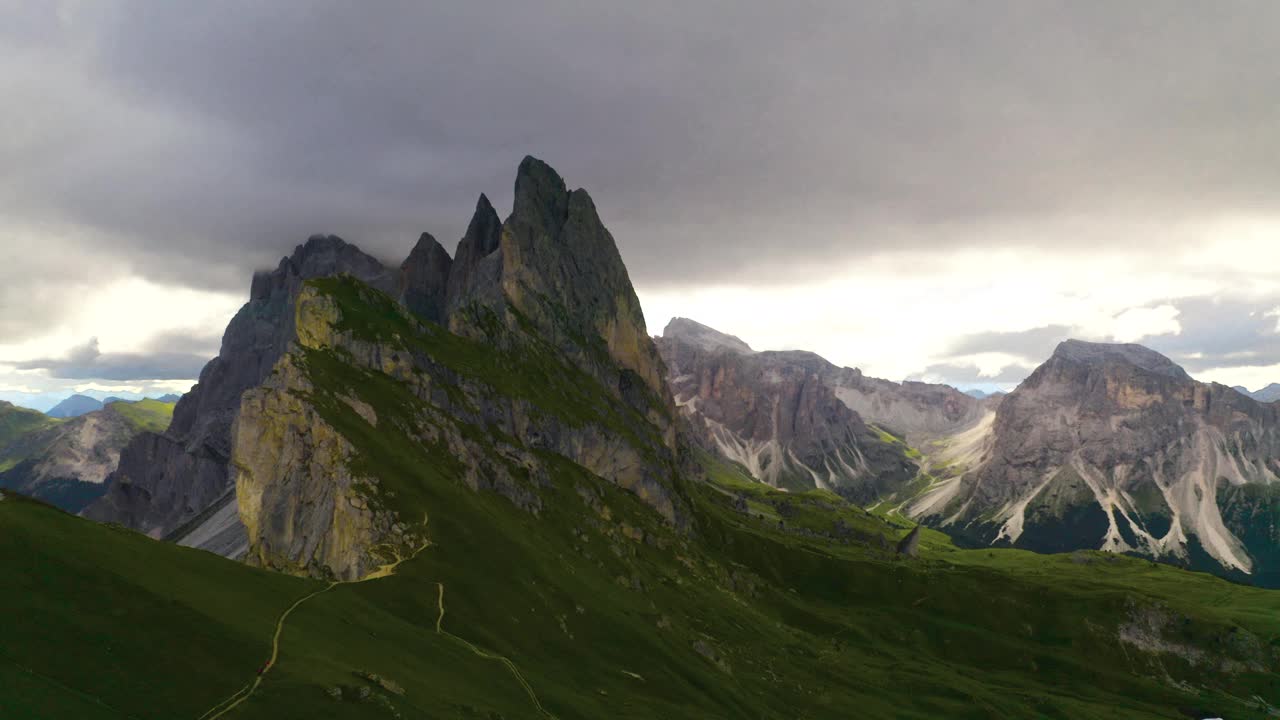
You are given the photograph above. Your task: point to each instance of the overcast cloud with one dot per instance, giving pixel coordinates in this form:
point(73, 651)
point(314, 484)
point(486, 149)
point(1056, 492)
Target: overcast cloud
point(814, 162)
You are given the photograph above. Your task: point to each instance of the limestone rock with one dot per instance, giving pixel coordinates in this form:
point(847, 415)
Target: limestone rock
point(775, 414)
point(1115, 447)
point(165, 480)
point(563, 280)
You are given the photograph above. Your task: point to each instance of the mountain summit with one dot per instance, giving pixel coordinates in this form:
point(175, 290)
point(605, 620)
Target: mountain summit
point(1115, 447)
point(534, 329)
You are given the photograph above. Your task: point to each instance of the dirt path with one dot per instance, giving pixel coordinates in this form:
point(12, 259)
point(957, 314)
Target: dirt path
point(387, 570)
point(489, 656)
point(247, 691)
point(223, 707)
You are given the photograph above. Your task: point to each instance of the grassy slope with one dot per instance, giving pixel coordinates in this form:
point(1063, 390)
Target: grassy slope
point(15, 423)
point(605, 611)
point(147, 415)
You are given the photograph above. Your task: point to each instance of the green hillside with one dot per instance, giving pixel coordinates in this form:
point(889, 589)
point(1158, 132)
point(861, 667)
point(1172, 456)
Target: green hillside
point(148, 415)
point(15, 424)
point(769, 605)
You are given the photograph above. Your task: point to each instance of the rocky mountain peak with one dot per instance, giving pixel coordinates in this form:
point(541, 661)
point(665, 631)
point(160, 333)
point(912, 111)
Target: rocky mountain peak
point(484, 231)
point(560, 275)
point(1097, 354)
point(707, 338)
point(477, 264)
point(320, 256)
point(541, 197)
point(424, 279)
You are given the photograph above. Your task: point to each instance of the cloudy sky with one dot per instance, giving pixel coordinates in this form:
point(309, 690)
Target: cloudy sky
point(938, 190)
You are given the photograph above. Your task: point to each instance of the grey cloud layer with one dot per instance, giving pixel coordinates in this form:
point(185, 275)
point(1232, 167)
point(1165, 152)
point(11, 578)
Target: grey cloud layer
point(225, 132)
point(86, 362)
point(1214, 334)
point(724, 141)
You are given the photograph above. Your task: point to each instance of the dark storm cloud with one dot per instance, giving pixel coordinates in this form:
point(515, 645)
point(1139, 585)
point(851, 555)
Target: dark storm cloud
point(86, 362)
point(722, 141)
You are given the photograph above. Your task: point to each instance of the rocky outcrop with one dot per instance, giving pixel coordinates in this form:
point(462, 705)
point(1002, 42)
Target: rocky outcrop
point(1115, 447)
point(910, 545)
point(774, 413)
point(166, 480)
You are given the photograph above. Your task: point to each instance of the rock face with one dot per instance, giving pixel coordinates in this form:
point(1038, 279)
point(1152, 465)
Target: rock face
point(560, 278)
point(476, 264)
point(1115, 447)
point(919, 411)
point(910, 545)
point(424, 279)
point(67, 463)
point(774, 413)
point(792, 414)
point(548, 362)
point(166, 480)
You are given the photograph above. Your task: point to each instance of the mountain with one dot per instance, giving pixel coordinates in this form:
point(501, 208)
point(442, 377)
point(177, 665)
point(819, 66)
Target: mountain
point(66, 462)
point(500, 515)
point(982, 394)
point(548, 366)
point(795, 420)
point(73, 406)
point(774, 413)
point(177, 480)
point(169, 398)
point(16, 422)
point(1115, 447)
point(1270, 393)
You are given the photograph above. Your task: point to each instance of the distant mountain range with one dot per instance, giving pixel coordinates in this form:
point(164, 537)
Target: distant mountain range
point(1270, 393)
point(76, 405)
point(796, 421)
point(65, 461)
point(1110, 447)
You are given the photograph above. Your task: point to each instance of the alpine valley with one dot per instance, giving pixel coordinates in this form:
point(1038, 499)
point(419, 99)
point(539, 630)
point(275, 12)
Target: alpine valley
point(474, 486)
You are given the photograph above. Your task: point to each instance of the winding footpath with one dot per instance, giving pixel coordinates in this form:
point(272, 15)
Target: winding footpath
point(244, 693)
point(247, 691)
point(489, 656)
